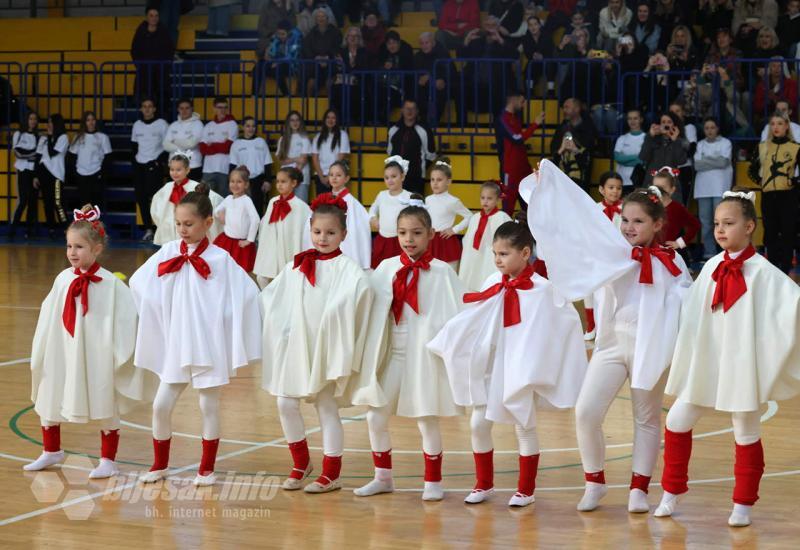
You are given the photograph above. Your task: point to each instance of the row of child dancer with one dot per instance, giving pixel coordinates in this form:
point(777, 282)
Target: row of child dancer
point(401, 341)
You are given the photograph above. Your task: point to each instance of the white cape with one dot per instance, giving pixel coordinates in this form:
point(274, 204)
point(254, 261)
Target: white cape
point(279, 242)
point(509, 370)
point(476, 265)
point(193, 329)
point(358, 243)
point(163, 213)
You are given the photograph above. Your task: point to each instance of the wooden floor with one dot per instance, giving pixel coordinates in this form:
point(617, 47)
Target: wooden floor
point(62, 508)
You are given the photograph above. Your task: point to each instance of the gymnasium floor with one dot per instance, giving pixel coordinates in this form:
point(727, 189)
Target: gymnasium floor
point(61, 508)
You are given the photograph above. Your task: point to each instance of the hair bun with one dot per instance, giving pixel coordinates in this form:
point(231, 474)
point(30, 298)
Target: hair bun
point(203, 188)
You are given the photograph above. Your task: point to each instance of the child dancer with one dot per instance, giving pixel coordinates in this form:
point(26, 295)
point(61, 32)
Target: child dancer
point(252, 151)
point(166, 199)
point(477, 257)
point(443, 208)
point(198, 322)
point(280, 236)
point(681, 226)
point(486, 352)
point(737, 349)
point(238, 214)
point(415, 295)
point(640, 288)
point(358, 241)
point(383, 212)
point(80, 363)
point(316, 316)
point(611, 190)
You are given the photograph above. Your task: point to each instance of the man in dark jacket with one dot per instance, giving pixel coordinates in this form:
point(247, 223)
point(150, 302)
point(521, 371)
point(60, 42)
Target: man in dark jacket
point(322, 42)
point(413, 141)
point(445, 83)
point(152, 51)
point(572, 145)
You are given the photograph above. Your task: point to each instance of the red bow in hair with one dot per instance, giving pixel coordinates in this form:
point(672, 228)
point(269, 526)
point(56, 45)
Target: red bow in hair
point(671, 170)
point(611, 209)
point(281, 208)
point(502, 187)
point(307, 262)
point(328, 198)
point(482, 223)
point(511, 313)
point(198, 263)
point(730, 280)
point(92, 216)
point(178, 192)
point(405, 291)
point(644, 256)
point(78, 287)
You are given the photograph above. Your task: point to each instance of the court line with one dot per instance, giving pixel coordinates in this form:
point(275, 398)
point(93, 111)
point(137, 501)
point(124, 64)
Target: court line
point(15, 362)
point(25, 308)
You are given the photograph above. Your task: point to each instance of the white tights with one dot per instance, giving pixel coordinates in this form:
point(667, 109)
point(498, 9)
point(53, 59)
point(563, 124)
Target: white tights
point(378, 424)
point(481, 430)
point(164, 403)
point(328, 412)
point(683, 416)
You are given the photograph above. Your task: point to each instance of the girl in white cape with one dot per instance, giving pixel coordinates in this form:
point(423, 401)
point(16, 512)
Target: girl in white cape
point(477, 258)
point(415, 295)
point(280, 235)
point(80, 362)
point(358, 242)
point(316, 317)
point(737, 349)
point(166, 199)
point(486, 349)
point(199, 321)
point(640, 289)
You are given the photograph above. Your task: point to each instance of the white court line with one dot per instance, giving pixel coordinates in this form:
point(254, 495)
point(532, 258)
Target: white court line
point(15, 362)
point(25, 308)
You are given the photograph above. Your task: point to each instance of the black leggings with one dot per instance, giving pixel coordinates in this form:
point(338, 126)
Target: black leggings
point(51, 195)
point(147, 179)
point(90, 190)
point(27, 198)
point(256, 194)
point(779, 209)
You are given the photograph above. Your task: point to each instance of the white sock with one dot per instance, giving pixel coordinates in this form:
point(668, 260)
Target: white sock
point(433, 491)
point(381, 483)
point(637, 502)
point(45, 460)
point(591, 496)
point(740, 516)
point(106, 468)
point(667, 505)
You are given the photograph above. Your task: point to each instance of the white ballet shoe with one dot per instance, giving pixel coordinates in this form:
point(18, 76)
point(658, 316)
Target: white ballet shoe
point(740, 517)
point(519, 500)
point(205, 481)
point(293, 484)
point(433, 491)
point(152, 477)
point(478, 495)
point(637, 502)
point(316, 487)
point(45, 460)
point(375, 487)
point(592, 495)
point(667, 505)
point(589, 336)
point(106, 468)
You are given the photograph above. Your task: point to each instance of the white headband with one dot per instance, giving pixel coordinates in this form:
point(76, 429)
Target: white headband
point(751, 196)
point(442, 163)
point(655, 190)
point(417, 202)
point(187, 154)
point(399, 160)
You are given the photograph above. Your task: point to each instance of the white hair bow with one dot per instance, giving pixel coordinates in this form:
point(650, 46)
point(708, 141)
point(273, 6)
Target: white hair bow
point(655, 190)
point(399, 160)
point(442, 163)
point(750, 196)
point(91, 215)
point(187, 154)
point(417, 202)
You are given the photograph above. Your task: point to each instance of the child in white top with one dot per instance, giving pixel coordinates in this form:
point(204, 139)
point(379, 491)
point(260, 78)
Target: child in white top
point(294, 148)
point(443, 208)
point(240, 220)
point(477, 257)
point(628, 146)
point(384, 211)
point(252, 151)
point(330, 145)
point(92, 149)
point(712, 163)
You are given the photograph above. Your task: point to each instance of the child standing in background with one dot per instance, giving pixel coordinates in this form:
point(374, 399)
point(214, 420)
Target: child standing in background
point(443, 208)
point(384, 211)
point(252, 152)
point(240, 221)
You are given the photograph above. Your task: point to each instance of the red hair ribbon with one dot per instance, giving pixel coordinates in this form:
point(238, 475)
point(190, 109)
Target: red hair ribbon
point(671, 170)
point(92, 216)
point(328, 198)
point(502, 187)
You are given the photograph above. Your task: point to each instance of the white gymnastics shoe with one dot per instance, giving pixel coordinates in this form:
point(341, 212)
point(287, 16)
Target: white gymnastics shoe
point(520, 500)
point(740, 517)
point(592, 495)
point(433, 491)
point(205, 481)
point(382, 483)
point(45, 460)
point(637, 502)
point(106, 468)
point(155, 475)
point(667, 505)
point(316, 487)
point(478, 495)
point(293, 484)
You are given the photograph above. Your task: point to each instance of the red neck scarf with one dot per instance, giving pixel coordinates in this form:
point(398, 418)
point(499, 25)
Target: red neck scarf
point(198, 263)
point(307, 262)
point(281, 208)
point(730, 281)
point(611, 209)
point(511, 314)
point(645, 256)
point(78, 287)
point(482, 223)
point(178, 192)
point(405, 291)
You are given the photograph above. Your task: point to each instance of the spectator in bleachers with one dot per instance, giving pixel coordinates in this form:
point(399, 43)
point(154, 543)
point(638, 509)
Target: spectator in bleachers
point(373, 32)
point(767, 44)
point(354, 57)
point(92, 149)
point(686, 175)
point(559, 14)
point(170, 15)
point(51, 150)
point(782, 107)
point(215, 145)
point(272, 13)
point(613, 22)
point(599, 80)
point(277, 60)
point(664, 145)
point(424, 60)
point(572, 144)
point(252, 151)
point(788, 28)
point(185, 134)
point(396, 55)
point(681, 53)
point(149, 161)
point(294, 148)
point(645, 28)
point(723, 54)
point(388, 10)
point(626, 152)
point(219, 17)
point(572, 46)
point(510, 16)
point(457, 20)
point(712, 160)
point(774, 84)
point(749, 16)
point(23, 143)
point(668, 14)
point(412, 140)
point(331, 144)
point(305, 15)
point(632, 58)
point(321, 43)
point(152, 44)
point(713, 15)
point(537, 45)
point(660, 88)
point(577, 22)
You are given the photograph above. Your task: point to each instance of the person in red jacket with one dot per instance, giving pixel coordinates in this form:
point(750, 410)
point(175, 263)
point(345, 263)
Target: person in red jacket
point(559, 14)
point(681, 226)
point(772, 88)
point(511, 138)
point(457, 19)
